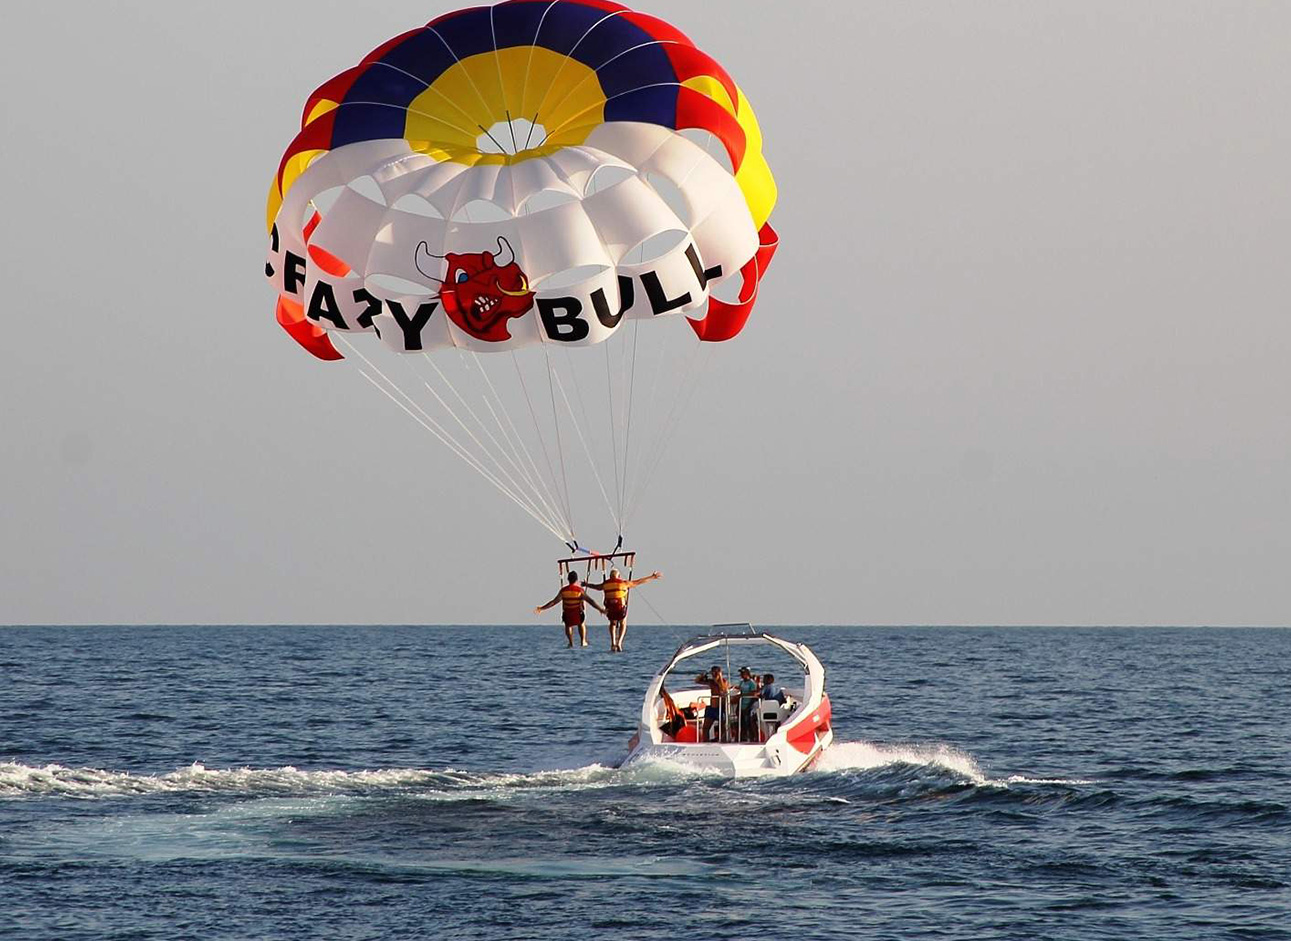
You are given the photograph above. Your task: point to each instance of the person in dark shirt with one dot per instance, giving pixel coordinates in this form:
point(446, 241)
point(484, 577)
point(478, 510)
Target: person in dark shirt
point(771, 691)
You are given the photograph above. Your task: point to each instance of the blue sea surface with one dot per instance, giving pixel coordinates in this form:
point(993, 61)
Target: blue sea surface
point(459, 782)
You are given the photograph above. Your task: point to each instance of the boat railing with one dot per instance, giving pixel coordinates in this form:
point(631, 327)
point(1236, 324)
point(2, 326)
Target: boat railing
point(736, 723)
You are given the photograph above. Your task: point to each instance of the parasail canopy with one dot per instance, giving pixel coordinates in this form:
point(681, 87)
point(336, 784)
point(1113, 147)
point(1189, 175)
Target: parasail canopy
point(537, 173)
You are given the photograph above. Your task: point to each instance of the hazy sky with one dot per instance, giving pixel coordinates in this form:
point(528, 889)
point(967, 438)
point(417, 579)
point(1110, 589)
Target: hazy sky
point(1022, 357)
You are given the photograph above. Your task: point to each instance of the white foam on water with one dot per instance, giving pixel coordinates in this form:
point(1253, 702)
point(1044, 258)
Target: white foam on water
point(655, 769)
point(19, 780)
point(864, 756)
point(1023, 779)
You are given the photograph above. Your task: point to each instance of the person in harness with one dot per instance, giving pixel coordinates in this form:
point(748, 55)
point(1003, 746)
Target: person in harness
point(616, 590)
point(571, 599)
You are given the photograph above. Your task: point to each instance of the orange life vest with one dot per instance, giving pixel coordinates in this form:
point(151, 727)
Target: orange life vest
point(571, 598)
point(616, 590)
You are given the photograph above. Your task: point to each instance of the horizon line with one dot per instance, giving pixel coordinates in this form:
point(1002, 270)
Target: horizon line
point(700, 625)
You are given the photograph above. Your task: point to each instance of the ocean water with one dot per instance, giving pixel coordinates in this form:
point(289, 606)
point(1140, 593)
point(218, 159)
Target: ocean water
point(453, 782)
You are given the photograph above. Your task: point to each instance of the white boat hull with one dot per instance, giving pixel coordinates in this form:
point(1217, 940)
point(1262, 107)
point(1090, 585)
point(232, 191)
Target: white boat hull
point(772, 759)
point(792, 730)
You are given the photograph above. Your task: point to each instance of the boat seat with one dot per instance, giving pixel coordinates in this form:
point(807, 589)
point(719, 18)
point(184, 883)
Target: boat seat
point(772, 713)
point(770, 709)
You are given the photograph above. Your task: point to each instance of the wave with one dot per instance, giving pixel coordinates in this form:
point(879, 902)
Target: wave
point(57, 780)
point(54, 780)
point(867, 756)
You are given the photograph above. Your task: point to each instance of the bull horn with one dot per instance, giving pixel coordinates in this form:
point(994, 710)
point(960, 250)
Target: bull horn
point(510, 250)
point(423, 248)
point(524, 288)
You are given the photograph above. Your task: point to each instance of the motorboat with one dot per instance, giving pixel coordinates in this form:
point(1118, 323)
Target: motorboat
point(685, 720)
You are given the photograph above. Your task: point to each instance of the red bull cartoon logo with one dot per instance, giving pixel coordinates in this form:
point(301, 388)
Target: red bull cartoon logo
point(480, 291)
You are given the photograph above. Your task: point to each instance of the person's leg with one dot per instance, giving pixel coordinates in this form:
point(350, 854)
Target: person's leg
point(569, 635)
point(613, 641)
point(582, 631)
point(623, 631)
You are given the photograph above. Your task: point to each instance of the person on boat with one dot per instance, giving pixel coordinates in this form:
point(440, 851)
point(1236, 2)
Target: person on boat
point(571, 598)
point(771, 691)
point(748, 690)
point(717, 702)
point(674, 719)
point(616, 590)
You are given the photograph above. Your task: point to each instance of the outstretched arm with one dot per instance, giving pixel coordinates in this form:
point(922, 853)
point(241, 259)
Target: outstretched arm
point(598, 586)
point(542, 608)
point(647, 578)
point(590, 601)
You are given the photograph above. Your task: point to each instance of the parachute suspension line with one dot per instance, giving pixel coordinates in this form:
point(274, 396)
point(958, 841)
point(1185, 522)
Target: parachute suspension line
point(614, 438)
point(461, 449)
point(627, 438)
point(498, 466)
point(457, 418)
point(560, 447)
point(438, 431)
point(578, 392)
point(513, 458)
point(654, 426)
point(621, 377)
point(537, 430)
point(432, 426)
point(658, 371)
point(513, 436)
point(685, 391)
point(589, 444)
point(586, 450)
point(509, 450)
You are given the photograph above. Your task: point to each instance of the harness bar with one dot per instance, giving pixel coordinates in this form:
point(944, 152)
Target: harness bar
point(600, 561)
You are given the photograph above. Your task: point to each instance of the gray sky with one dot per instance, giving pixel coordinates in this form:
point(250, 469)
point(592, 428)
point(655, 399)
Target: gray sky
point(1022, 357)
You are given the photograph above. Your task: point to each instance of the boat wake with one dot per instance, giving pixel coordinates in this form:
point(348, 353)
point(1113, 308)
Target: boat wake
point(868, 756)
point(56, 780)
point(843, 758)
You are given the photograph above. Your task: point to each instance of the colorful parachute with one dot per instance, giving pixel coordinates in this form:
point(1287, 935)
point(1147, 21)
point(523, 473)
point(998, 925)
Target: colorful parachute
point(538, 172)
